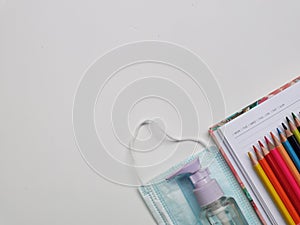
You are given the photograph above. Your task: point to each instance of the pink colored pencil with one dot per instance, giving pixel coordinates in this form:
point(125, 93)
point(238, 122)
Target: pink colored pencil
point(281, 177)
point(283, 167)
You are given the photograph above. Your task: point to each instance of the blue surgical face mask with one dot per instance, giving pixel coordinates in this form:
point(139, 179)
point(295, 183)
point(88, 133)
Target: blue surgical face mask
point(172, 202)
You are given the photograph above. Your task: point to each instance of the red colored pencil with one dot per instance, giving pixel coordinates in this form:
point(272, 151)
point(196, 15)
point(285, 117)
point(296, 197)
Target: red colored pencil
point(272, 157)
point(283, 166)
point(272, 177)
point(286, 158)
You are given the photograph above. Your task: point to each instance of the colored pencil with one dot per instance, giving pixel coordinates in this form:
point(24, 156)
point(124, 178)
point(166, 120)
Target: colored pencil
point(283, 196)
point(289, 149)
point(294, 143)
point(286, 158)
point(282, 165)
point(297, 121)
point(294, 129)
point(282, 178)
point(260, 172)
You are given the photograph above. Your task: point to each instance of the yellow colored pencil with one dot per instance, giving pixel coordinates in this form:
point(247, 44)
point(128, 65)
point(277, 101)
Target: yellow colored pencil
point(260, 172)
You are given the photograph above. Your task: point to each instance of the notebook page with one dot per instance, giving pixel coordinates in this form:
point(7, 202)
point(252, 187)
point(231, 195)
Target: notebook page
point(245, 130)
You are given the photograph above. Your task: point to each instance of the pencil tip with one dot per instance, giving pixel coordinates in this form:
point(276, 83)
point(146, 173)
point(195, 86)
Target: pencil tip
point(253, 161)
point(272, 135)
point(278, 130)
point(294, 116)
point(287, 119)
point(269, 143)
point(283, 125)
point(257, 153)
point(250, 155)
point(267, 140)
point(260, 144)
point(255, 150)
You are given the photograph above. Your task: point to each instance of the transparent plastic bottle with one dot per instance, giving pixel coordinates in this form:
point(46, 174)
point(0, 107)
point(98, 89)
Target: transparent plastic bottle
point(224, 211)
point(216, 208)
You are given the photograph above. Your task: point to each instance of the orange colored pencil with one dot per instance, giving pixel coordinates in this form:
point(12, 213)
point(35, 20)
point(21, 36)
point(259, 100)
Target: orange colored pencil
point(286, 158)
point(286, 201)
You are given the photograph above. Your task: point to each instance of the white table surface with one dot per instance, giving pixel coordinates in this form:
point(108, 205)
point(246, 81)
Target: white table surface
point(252, 47)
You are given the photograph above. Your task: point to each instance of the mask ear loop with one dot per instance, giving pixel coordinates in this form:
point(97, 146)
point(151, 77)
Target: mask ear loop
point(166, 137)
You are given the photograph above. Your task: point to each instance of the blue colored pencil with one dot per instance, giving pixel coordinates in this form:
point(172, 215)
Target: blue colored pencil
point(288, 147)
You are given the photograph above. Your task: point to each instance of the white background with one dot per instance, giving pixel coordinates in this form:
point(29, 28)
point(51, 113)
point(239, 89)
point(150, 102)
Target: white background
point(252, 47)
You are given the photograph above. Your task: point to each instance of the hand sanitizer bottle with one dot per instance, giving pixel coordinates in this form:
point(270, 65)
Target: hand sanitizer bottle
point(216, 208)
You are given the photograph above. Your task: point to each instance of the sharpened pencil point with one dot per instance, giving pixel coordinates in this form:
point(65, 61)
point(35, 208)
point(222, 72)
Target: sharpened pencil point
point(287, 119)
point(275, 139)
point(272, 135)
point(267, 140)
point(264, 150)
point(283, 125)
point(253, 161)
point(255, 149)
point(250, 155)
point(257, 153)
point(278, 130)
point(260, 144)
point(269, 143)
point(296, 120)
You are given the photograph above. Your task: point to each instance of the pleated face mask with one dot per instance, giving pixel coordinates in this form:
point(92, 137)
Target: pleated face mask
point(172, 201)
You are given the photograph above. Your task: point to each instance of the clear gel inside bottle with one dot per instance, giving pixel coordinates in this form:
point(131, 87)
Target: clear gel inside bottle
point(223, 211)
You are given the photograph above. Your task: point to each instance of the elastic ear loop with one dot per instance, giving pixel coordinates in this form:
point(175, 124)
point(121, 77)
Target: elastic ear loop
point(167, 137)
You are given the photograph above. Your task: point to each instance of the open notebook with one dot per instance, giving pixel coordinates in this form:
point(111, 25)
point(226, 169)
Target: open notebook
point(235, 136)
